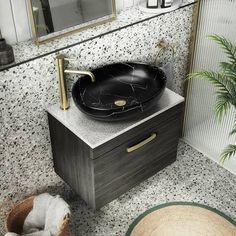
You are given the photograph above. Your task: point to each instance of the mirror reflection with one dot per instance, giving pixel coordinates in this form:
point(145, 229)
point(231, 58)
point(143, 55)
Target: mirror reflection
point(51, 16)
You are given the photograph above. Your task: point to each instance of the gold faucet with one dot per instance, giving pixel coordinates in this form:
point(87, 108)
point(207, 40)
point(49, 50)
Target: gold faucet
point(61, 71)
point(162, 45)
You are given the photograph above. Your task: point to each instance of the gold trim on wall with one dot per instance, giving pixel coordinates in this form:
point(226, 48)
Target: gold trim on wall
point(193, 37)
point(36, 37)
point(192, 47)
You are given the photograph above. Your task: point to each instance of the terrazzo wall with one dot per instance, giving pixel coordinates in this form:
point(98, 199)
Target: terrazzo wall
point(25, 154)
point(15, 20)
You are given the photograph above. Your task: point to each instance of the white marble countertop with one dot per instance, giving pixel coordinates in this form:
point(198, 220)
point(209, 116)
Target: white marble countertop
point(95, 133)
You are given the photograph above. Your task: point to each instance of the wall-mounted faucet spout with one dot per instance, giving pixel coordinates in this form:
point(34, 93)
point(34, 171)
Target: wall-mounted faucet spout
point(60, 64)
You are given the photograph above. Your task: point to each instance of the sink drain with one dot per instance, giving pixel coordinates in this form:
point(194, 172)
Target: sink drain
point(120, 103)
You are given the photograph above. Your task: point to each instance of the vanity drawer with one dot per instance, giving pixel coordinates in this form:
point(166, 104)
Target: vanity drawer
point(142, 152)
point(135, 134)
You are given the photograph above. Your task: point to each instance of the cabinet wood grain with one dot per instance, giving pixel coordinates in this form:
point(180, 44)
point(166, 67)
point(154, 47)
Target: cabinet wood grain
point(72, 160)
point(102, 174)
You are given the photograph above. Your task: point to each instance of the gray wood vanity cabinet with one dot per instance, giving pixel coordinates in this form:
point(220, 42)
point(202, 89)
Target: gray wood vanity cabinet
point(101, 161)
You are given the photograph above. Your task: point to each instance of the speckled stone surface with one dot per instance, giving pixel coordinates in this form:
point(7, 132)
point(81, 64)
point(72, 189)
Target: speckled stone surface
point(84, 127)
point(26, 50)
point(25, 151)
point(193, 178)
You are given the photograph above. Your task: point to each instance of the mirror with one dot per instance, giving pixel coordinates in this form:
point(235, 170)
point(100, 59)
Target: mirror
point(55, 18)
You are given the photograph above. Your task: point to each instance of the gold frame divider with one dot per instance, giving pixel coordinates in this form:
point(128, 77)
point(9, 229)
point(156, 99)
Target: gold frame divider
point(192, 49)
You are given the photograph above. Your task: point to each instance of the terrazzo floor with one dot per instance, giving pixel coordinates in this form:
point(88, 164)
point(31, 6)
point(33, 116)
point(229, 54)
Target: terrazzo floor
point(193, 178)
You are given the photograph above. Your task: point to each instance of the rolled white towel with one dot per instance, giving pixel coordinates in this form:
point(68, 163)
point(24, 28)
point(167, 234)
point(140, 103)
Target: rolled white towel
point(56, 212)
point(35, 220)
point(11, 234)
point(39, 233)
point(31, 230)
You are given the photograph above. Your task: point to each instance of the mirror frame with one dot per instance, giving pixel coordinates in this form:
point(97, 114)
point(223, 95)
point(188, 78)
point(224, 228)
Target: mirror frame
point(88, 25)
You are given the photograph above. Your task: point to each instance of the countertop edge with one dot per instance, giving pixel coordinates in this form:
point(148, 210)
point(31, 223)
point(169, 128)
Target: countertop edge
point(92, 146)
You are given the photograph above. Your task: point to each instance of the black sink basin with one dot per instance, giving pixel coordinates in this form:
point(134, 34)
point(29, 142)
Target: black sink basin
point(120, 92)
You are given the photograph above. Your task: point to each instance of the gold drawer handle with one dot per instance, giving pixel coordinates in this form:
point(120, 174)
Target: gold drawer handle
point(141, 144)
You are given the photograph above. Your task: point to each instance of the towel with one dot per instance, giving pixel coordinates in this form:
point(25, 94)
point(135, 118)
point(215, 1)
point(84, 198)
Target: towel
point(11, 234)
point(38, 233)
point(56, 212)
point(36, 218)
point(46, 216)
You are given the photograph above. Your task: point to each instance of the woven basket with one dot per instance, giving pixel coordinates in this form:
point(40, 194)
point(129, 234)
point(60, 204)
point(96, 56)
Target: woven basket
point(16, 218)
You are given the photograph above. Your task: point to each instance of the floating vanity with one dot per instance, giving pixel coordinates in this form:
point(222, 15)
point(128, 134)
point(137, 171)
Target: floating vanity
point(102, 160)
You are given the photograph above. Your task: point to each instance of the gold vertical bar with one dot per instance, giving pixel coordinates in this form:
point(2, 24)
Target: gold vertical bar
point(33, 23)
point(192, 47)
point(114, 11)
point(64, 103)
point(193, 37)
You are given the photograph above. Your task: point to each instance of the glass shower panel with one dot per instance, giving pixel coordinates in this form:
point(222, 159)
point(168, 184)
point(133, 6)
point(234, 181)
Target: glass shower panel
point(201, 130)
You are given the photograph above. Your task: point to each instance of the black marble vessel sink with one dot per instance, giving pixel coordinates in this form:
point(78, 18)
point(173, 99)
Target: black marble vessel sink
point(121, 91)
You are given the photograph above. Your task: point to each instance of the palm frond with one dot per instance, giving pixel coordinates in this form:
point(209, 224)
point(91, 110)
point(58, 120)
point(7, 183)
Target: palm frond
point(226, 45)
point(214, 78)
point(233, 131)
point(224, 82)
point(227, 66)
point(224, 86)
point(230, 84)
point(228, 69)
point(222, 106)
point(227, 153)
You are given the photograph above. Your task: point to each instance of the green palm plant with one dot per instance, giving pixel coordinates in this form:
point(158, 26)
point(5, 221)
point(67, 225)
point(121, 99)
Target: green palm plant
point(224, 81)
